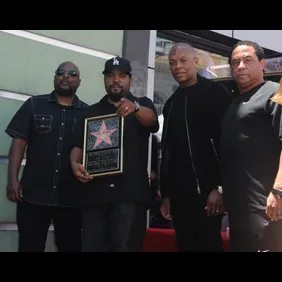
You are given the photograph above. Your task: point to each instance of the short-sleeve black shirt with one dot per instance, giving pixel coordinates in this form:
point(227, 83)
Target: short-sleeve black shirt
point(251, 148)
point(48, 128)
point(133, 184)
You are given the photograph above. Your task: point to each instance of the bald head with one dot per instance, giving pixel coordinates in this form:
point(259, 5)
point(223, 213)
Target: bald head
point(183, 64)
point(183, 46)
point(68, 65)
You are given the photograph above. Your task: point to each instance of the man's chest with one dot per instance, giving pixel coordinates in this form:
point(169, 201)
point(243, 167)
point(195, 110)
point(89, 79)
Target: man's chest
point(55, 121)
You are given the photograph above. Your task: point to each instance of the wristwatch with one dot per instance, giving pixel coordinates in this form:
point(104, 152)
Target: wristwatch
point(276, 192)
point(137, 106)
point(219, 189)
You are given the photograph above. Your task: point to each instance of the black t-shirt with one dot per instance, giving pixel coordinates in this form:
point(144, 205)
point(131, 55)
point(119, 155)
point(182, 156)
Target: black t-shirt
point(250, 148)
point(155, 153)
point(133, 184)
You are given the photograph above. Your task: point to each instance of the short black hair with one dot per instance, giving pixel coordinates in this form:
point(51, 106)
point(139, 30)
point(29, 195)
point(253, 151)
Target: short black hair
point(258, 49)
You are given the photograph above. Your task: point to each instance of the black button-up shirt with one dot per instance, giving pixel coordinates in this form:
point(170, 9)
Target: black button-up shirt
point(48, 127)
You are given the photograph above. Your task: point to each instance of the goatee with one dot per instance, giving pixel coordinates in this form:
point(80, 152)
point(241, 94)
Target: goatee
point(115, 97)
point(64, 93)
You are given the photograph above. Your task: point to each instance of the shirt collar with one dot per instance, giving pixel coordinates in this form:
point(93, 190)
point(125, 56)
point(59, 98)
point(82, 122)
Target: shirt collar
point(75, 103)
point(128, 96)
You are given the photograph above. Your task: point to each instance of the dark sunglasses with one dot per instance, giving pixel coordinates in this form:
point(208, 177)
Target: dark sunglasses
point(72, 73)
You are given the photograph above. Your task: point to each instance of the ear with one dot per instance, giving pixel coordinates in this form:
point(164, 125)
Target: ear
point(130, 82)
point(79, 82)
point(263, 63)
point(196, 60)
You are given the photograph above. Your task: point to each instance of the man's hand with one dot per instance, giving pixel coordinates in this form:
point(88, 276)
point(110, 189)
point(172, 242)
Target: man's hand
point(165, 209)
point(80, 172)
point(273, 207)
point(214, 203)
point(125, 107)
point(14, 191)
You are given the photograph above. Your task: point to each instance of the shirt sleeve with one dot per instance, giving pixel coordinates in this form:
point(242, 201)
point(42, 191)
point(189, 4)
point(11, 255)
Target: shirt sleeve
point(275, 111)
point(21, 123)
point(222, 100)
point(146, 102)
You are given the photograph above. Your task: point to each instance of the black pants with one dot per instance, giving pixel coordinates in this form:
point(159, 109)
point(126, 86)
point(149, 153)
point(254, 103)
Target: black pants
point(34, 221)
point(254, 232)
point(114, 227)
point(195, 231)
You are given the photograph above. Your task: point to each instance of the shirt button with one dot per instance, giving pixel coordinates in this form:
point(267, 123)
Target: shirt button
point(62, 123)
point(112, 185)
point(58, 154)
point(56, 170)
point(64, 110)
point(60, 138)
point(55, 187)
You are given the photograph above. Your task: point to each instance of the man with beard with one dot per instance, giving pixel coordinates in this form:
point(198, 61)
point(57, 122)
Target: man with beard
point(114, 207)
point(47, 191)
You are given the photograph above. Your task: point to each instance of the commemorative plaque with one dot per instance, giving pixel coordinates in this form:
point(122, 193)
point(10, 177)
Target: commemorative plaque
point(103, 145)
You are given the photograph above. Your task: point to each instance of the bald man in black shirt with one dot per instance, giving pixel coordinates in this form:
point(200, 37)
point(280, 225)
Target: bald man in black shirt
point(190, 180)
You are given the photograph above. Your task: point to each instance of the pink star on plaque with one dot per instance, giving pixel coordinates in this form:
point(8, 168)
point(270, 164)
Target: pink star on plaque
point(103, 135)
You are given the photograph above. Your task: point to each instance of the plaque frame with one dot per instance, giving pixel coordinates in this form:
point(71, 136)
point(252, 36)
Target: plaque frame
point(119, 148)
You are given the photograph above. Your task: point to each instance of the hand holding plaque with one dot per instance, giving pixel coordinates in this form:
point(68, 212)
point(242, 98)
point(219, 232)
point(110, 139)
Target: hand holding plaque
point(103, 145)
point(80, 172)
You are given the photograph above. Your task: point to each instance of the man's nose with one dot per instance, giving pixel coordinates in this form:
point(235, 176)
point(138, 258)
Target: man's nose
point(178, 65)
point(241, 65)
point(65, 75)
point(116, 78)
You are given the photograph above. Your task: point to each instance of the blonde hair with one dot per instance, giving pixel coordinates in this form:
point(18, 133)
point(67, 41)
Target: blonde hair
point(278, 95)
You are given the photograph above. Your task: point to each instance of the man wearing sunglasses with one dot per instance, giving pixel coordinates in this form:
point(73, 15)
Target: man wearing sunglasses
point(114, 207)
point(47, 191)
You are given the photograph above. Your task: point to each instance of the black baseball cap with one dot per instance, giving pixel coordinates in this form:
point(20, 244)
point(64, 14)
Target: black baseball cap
point(118, 63)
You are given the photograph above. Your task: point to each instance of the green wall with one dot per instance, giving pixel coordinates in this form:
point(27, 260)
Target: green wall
point(30, 66)
point(108, 41)
point(27, 67)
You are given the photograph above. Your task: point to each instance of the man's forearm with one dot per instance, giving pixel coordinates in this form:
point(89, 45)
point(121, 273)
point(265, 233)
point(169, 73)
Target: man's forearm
point(146, 117)
point(16, 155)
point(76, 155)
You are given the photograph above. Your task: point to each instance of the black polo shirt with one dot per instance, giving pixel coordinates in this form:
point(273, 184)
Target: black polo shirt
point(133, 184)
point(48, 127)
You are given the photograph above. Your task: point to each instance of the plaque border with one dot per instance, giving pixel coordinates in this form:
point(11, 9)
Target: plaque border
point(121, 144)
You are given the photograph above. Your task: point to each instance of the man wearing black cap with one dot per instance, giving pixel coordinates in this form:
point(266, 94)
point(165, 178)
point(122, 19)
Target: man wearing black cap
point(114, 207)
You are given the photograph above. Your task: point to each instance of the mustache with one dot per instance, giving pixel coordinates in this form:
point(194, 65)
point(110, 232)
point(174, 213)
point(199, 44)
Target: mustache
point(113, 85)
point(65, 81)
